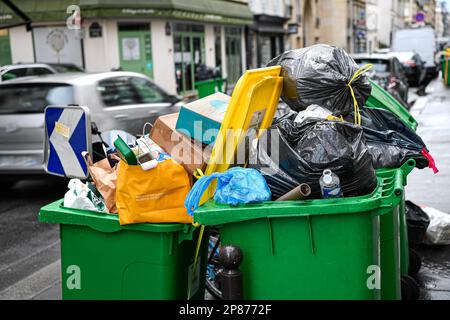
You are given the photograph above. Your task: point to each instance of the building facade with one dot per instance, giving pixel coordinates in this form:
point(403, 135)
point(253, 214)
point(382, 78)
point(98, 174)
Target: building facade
point(343, 24)
point(172, 42)
point(304, 24)
point(267, 35)
point(390, 18)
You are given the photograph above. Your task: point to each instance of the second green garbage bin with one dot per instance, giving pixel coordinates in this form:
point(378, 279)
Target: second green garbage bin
point(102, 260)
point(313, 249)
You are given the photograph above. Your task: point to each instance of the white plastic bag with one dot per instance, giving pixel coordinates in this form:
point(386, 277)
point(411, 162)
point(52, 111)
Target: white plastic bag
point(313, 111)
point(438, 231)
point(80, 196)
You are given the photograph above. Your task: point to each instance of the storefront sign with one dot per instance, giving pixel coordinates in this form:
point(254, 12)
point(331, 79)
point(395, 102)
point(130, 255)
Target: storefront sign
point(292, 28)
point(57, 44)
point(131, 49)
point(95, 30)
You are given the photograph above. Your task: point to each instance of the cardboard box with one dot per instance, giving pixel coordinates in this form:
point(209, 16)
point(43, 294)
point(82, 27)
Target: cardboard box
point(190, 154)
point(202, 118)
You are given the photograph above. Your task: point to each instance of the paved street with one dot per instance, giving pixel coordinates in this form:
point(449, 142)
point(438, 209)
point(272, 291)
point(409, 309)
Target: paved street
point(29, 250)
point(424, 187)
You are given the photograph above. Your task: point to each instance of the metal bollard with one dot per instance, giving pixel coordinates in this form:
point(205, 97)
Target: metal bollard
point(230, 277)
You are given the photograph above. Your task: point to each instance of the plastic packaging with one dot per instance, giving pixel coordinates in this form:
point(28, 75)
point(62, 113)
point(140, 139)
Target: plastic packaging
point(83, 196)
point(234, 186)
point(438, 231)
point(330, 185)
point(320, 75)
point(313, 111)
point(290, 154)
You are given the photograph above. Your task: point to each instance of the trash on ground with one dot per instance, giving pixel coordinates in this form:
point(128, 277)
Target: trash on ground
point(438, 232)
point(417, 221)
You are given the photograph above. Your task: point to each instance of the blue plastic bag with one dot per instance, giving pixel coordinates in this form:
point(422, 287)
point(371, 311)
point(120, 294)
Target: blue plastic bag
point(234, 186)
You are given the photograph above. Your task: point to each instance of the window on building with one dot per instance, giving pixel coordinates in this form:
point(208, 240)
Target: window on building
point(218, 47)
point(189, 49)
point(233, 47)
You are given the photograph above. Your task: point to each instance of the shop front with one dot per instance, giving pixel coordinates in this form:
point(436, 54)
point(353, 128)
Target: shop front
point(175, 44)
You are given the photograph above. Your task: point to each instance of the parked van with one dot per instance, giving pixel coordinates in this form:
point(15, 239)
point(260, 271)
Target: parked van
point(421, 41)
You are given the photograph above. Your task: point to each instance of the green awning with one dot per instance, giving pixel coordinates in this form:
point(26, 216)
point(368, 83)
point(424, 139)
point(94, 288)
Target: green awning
point(218, 11)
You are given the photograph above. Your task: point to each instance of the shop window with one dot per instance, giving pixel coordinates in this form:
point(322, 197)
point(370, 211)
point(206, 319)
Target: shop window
point(218, 47)
point(233, 47)
point(189, 56)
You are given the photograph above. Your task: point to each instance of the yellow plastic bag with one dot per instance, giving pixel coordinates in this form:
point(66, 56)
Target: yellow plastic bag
point(153, 196)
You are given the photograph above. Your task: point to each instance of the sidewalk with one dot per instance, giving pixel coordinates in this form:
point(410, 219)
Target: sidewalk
point(424, 187)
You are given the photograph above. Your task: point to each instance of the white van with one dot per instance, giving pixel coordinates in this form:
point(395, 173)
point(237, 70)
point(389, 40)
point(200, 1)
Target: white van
point(421, 41)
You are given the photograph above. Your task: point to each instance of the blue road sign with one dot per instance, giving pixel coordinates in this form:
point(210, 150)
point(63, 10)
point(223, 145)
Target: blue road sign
point(67, 135)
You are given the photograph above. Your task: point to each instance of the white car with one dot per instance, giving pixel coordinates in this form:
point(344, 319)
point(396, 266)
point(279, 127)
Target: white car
point(116, 100)
point(14, 71)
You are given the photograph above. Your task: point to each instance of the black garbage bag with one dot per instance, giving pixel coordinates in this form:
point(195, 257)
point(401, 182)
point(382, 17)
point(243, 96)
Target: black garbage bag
point(390, 141)
point(319, 75)
point(289, 154)
point(417, 221)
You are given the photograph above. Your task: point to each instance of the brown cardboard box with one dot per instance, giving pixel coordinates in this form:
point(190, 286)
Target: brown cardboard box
point(190, 154)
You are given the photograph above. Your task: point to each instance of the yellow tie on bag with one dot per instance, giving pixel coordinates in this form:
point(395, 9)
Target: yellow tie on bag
point(153, 196)
point(357, 74)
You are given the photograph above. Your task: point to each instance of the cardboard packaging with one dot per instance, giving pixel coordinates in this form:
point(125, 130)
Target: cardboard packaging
point(202, 118)
point(191, 154)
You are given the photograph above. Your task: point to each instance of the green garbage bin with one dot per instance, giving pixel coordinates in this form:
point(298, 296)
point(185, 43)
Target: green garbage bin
point(205, 88)
point(208, 87)
point(380, 98)
point(446, 67)
point(101, 259)
point(313, 249)
point(394, 242)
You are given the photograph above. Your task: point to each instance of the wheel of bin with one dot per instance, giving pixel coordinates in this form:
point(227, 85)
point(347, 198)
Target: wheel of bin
point(410, 288)
point(415, 262)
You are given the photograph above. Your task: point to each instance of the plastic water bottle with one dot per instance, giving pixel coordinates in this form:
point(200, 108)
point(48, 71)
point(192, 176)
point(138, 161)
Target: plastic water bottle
point(330, 185)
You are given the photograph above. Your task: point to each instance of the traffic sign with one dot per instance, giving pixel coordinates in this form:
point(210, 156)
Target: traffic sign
point(67, 135)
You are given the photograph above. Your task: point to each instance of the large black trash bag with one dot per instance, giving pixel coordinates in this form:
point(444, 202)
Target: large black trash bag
point(319, 75)
point(390, 141)
point(417, 221)
point(289, 154)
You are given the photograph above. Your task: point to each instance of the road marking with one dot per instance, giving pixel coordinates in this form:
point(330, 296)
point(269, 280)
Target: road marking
point(34, 284)
point(29, 256)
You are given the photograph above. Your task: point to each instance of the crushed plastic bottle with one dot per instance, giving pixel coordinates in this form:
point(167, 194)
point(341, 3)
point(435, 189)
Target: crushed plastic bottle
point(330, 185)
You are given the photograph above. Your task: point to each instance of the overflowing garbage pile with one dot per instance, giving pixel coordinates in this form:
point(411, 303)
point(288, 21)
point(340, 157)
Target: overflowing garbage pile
point(329, 146)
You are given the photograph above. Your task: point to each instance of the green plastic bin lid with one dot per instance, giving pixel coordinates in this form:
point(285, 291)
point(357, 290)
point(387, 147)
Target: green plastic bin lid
point(380, 98)
point(104, 222)
point(388, 193)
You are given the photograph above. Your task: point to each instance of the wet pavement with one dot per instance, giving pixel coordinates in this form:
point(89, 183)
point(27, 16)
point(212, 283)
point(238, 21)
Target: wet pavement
point(426, 188)
point(29, 250)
